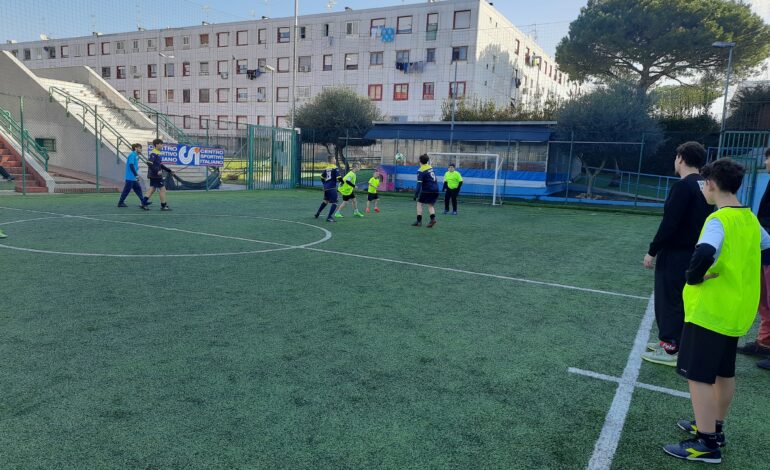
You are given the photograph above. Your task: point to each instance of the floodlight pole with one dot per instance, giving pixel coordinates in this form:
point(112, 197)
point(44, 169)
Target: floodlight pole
point(730, 46)
point(294, 63)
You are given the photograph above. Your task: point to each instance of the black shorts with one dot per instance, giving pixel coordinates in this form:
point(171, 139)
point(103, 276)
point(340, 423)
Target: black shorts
point(330, 196)
point(428, 198)
point(706, 354)
point(372, 196)
point(156, 183)
point(348, 197)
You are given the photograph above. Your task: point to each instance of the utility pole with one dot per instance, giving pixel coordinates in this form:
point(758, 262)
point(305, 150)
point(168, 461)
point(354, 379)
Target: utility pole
point(294, 63)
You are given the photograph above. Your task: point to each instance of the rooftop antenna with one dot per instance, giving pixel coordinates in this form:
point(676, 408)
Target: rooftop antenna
point(253, 14)
point(139, 26)
point(331, 4)
point(93, 22)
point(267, 7)
point(206, 9)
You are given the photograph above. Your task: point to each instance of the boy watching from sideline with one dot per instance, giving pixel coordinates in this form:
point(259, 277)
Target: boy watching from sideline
point(427, 191)
point(453, 181)
point(683, 216)
point(132, 176)
point(155, 169)
point(761, 346)
point(374, 183)
point(720, 298)
point(347, 189)
point(329, 177)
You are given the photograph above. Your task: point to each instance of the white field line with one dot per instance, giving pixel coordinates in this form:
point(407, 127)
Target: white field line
point(341, 253)
point(607, 444)
point(610, 378)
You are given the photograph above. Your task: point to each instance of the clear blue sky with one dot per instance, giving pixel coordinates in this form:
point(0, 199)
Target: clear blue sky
point(25, 20)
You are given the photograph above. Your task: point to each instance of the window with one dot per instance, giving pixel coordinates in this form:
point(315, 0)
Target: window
point(186, 95)
point(261, 63)
point(428, 90)
point(47, 143)
point(151, 45)
point(241, 66)
point(375, 92)
point(261, 120)
point(203, 95)
point(402, 56)
point(222, 122)
point(240, 122)
point(169, 96)
point(431, 27)
point(203, 68)
point(120, 72)
point(203, 40)
point(223, 39)
point(284, 35)
point(203, 122)
point(185, 69)
point(261, 94)
point(262, 36)
point(38, 53)
point(91, 48)
point(282, 94)
point(303, 63)
point(327, 30)
point(462, 19)
point(376, 58)
point(77, 50)
point(65, 52)
point(327, 63)
point(222, 67)
point(105, 72)
point(241, 38)
point(351, 28)
point(457, 88)
point(120, 47)
point(185, 42)
point(105, 48)
point(168, 70)
point(303, 93)
point(283, 64)
point(135, 45)
point(459, 53)
point(303, 32)
point(241, 95)
point(51, 52)
point(375, 27)
point(28, 54)
point(401, 92)
point(168, 43)
point(518, 46)
point(152, 70)
point(351, 61)
point(281, 121)
point(186, 121)
point(152, 96)
point(404, 25)
point(137, 94)
point(223, 94)
point(430, 56)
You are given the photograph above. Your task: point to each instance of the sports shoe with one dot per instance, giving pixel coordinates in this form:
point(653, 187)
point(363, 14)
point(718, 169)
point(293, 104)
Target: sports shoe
point(454, 212)
point(377, 210)
point(694, 450)
point(754, 349)
point(316, 215)
point(446, 212)
point(367, 210)
point(417, 224)
point(2, 235)
point(144, 207)
point(764, 364)
point(689, 426)
point(660, 357)
point(653, 346)
point(329, 219)
point(165, 208)
point(339, 215)
point(357, 214)
point(122, 204)
point(431, 223)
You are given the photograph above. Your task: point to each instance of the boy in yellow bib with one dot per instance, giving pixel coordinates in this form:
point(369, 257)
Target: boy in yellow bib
point(720, 302)
point(348, 190)
point(374, 183)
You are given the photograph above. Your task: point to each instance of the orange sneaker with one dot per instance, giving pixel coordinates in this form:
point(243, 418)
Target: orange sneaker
point(377, 210)
point(367, 210)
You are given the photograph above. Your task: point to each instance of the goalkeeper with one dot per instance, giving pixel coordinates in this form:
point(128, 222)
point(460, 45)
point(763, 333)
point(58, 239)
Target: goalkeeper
point(453, 181)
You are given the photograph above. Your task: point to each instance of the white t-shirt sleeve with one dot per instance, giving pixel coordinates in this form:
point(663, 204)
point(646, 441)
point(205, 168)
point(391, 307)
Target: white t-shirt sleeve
point(764, 243)
point(714, 235)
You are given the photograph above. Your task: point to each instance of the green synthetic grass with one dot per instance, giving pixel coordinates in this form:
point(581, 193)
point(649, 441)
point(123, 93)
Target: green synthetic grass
point(311, 359)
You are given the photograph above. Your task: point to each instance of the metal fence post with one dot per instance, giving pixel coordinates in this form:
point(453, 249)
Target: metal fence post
point(157, 125)
point(639, 171)
point(23, 148)
point(250, 157)
point(96, 140)
point(569, 166)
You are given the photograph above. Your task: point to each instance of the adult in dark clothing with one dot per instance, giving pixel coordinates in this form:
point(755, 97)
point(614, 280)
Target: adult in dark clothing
point(761, 346)
point(155, 167)
point(684, 213)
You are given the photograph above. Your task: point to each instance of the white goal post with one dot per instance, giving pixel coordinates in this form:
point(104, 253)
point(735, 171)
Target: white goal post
point(489, 162)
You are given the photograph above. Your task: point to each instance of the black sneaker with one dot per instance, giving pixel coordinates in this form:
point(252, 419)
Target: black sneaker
point(165, 208)
point(431, 223)
point(690, 427)
point(144, 207)
point(316, 216)
point(417, 224)
point(122, 204)
point(694, 450)
point(754, 349)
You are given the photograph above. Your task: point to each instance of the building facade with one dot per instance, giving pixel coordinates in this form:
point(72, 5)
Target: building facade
point(408, 59)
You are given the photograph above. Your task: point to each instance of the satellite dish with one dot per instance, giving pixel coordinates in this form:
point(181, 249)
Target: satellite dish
point(44, 37)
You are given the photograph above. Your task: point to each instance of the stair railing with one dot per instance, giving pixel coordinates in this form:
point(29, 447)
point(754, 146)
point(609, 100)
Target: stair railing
point(22, 136)
point(168, 126)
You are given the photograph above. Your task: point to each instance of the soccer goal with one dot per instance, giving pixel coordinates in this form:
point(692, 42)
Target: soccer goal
point(480, 172)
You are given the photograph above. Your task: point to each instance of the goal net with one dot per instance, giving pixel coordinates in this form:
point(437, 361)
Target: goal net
point(480, 172)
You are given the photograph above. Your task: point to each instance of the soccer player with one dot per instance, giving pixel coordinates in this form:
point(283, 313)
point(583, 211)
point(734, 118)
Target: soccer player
point(329, 177)
point(426, 192)
point(155, 169)
point(670, 251)
point(374, 183)
point(761, 346)
point(132, 176)
point(453, 181)
point(347, 189)
point(720, 299)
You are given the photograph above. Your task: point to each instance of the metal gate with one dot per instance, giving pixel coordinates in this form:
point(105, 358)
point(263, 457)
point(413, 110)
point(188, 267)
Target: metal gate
point(747, 148)
point(272, 157)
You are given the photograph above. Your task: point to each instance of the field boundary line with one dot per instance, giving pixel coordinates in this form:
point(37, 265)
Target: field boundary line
point(610, 378)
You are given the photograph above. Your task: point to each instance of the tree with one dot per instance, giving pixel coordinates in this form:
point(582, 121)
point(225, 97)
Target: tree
point(685, 101)
point(750, 109)
point(480, 111)
point(649, 40)
point(334, 117)
point(608, 116)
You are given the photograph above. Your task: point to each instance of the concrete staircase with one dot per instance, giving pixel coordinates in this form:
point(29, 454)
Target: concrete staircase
point(11, 161)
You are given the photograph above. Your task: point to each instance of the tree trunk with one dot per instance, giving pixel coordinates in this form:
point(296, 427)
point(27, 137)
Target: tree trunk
point(592, 177)
point(340, 155)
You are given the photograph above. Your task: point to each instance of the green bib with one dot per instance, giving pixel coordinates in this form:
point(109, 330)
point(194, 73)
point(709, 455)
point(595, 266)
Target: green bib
point(728, 304)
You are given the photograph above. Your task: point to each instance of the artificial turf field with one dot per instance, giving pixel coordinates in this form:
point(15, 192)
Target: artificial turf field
point(289, 354)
